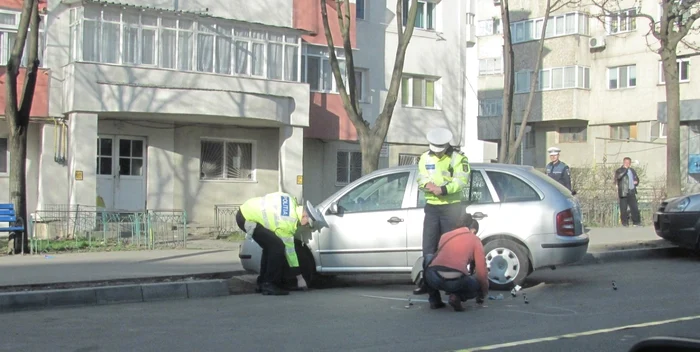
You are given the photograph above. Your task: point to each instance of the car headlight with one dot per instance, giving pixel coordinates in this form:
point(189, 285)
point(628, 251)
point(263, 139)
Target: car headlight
point(678, 206)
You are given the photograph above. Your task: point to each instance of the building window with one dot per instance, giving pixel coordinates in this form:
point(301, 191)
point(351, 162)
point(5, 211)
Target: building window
point(623, 21)
point(4, 156)
point(622, 77)
point(657, 130)
point(683, 71)
point(419, 91)
point(316, 68)
point(491, 66)
point(559, 25)
point(522, 82)
point(348, 167)
point(628, 131)
point(226, 160)
point(562, 78)
point(425, 16)
point(9, 24)
point(129, 37)
point(530, 139)
point(360, 9)
point(572, 134)
point(662, 130)
point(491, 107)
point(489, 27)
point(361, 77)
point(408, 159)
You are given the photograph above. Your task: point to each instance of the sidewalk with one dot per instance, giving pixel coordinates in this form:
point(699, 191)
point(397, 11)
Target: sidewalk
point(212, 256)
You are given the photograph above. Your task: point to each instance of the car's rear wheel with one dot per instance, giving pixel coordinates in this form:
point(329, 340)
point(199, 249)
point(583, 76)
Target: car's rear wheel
point(507, 263)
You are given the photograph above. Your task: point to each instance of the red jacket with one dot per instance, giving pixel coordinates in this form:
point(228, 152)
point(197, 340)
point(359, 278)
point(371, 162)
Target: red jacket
point(460, 251)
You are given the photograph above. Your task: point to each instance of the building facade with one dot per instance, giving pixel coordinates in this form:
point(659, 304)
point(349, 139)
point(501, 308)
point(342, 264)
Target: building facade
point(601, 94)
point(438, 87)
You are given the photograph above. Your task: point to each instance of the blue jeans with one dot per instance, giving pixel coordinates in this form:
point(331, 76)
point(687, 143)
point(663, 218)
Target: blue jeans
point(465, 287)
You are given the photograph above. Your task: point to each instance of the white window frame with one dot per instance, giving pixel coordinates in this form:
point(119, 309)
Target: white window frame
point(350, 153)
point(616, 131)
point(288, 39)
point(584, 132)
point(253, 163)
point(663, 133)
point(531, 29)
point(323, 58)
point(436, 91)
point(492, 26)
point(361, 15)
point(7, 156)
point(491, 107)
point(7, 30)
point(616, 71)
point(491, 66)
point(680, 73)
point(626, 17)
point(426, 14)
point(545, 82)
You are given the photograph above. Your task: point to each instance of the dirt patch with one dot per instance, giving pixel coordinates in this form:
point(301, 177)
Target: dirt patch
point(120, 282)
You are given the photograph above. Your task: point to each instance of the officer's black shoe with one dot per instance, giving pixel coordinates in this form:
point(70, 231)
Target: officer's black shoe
point(270, 289)
point(437, 305)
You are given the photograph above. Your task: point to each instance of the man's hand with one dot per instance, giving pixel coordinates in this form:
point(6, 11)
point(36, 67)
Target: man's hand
point(434, 189)
point(301, 283)
point(480, 300)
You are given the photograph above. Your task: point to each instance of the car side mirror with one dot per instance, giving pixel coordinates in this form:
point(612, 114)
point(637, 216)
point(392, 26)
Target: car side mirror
point(333, 209)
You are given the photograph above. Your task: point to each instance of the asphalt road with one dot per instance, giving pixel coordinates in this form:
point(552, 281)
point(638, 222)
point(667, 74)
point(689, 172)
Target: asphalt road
point(371, 316)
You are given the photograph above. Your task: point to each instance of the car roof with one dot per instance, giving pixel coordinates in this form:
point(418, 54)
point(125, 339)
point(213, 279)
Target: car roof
point(490, 166)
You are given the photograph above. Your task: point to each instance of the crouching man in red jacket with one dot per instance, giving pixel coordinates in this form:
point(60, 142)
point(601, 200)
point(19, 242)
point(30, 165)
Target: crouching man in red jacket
point(448, 269)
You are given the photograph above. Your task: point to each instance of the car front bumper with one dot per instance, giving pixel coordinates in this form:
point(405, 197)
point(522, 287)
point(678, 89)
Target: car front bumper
point(682, 229)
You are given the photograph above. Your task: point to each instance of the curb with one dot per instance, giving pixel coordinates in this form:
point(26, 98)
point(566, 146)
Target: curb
point(90, 296)
point(631, 254)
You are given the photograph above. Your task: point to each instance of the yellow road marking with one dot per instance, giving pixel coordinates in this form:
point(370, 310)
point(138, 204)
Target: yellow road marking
point(579, 334)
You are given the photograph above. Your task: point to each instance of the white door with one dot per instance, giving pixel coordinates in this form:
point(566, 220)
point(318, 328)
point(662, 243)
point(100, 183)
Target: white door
point(121, 170)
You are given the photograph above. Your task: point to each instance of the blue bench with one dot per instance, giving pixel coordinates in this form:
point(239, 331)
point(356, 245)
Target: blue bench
point(7, 214)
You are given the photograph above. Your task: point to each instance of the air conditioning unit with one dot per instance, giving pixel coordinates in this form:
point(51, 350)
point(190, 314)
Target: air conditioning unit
point(596, 42)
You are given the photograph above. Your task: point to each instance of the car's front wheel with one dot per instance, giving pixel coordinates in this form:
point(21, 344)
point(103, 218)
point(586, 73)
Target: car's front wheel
point(507, 263)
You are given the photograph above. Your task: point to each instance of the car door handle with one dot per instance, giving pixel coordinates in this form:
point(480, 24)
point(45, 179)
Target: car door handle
point(394, 220)
point(479, 215)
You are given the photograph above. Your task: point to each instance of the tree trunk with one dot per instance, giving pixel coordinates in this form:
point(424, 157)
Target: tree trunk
point(673, 117)
point(371, 147)
point(508, 83)
point(18, 182)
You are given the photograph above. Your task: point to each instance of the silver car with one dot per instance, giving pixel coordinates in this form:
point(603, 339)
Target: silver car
point(527, 221)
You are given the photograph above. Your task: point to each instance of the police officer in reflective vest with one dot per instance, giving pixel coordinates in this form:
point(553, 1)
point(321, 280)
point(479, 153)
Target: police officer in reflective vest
point(443, 174)
point(557, 169)
point(272, 221)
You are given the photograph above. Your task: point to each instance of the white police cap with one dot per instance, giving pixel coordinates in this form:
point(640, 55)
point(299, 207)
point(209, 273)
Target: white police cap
point(439, 139)
point(553, 151)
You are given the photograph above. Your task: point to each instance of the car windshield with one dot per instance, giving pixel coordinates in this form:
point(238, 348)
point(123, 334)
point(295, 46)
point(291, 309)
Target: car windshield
point(565, 191)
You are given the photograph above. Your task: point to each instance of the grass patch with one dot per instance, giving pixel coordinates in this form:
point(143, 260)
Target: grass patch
point(233, 237)
point(80, 245)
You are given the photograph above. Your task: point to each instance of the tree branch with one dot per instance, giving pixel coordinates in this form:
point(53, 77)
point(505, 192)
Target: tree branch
point(396, 76)
point(32, 65)
point(353, 114)
point(608, 13)
point(533, 85)
point(349, 58)
point(684, 28)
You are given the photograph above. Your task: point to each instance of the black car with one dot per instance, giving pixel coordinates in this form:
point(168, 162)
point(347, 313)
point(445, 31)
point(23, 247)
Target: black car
point(678, 221)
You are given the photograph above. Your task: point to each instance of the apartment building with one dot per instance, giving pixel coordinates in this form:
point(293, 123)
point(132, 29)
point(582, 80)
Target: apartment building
point(163, 105)
point(437, 90)
point(601, 93)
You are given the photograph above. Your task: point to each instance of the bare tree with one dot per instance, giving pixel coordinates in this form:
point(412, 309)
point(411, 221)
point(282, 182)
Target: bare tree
point(676, 22)
point(371, 137)
point(510, 144)
point(17, 111)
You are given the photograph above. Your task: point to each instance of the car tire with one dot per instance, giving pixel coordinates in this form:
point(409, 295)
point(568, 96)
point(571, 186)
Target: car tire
point(507, 262)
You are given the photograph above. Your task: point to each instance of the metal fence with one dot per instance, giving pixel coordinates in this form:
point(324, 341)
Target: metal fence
point(607, 214)
point(84, 227)
point(226, 218)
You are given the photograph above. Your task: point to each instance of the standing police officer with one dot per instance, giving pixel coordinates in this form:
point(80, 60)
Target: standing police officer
point(557, 169)
point(443, 174)
point(272, 221)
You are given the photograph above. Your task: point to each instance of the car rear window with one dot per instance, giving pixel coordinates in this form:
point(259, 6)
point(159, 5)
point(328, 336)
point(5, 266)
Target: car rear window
point(565, 191)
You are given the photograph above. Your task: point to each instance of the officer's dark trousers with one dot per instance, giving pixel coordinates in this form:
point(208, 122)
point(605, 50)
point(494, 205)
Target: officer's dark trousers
point(272, 261)
point(439, 219)
point(631, 201)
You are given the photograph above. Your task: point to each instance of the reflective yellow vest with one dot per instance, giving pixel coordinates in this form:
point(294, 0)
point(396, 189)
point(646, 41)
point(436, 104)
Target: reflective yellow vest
point(451, 171)
point(279, 213)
